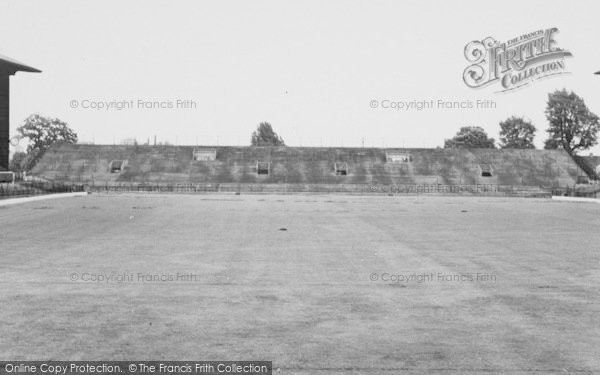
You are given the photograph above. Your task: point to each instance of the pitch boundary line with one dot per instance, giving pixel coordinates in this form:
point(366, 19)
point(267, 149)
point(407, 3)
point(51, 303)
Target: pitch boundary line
point(6, 202)
point(575, 199)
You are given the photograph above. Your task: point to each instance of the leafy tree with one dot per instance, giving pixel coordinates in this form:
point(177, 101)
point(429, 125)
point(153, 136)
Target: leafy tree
point(18, 161)
point(42, 133)
point(470, 137)
point(265, 136)
point(515, 132)
point(573, 126)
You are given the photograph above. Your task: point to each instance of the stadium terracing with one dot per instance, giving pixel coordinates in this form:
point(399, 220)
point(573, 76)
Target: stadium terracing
point(273, 169)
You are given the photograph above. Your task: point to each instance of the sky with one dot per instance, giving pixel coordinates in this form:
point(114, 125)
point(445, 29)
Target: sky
point(313, 69)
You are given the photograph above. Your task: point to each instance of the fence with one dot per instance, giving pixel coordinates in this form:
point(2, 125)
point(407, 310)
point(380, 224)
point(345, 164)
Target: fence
point(358, 189)
point(587, 192)
point(30, 188)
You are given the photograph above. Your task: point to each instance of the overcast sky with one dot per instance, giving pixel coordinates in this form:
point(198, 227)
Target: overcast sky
point(310, 68)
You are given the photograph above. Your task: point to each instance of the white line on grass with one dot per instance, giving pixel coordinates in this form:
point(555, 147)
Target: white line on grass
point(6, 202)
point(575, 199)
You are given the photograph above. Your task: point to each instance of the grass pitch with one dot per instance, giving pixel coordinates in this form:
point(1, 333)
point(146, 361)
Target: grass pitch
point(317, 284)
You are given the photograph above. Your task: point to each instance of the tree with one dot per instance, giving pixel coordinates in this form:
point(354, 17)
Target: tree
point(573, 126)
point(42, 133)
point(470, 137)
point(265, 136)
point(515, 132)
point(18, 161)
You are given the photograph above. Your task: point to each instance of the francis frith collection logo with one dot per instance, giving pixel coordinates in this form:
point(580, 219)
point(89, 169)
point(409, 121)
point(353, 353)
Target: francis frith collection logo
point(515, 63)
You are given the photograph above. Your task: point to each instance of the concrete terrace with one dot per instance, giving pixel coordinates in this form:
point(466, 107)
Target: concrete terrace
point(307, 165)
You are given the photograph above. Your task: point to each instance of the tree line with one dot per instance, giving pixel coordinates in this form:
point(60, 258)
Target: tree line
point(572, 127)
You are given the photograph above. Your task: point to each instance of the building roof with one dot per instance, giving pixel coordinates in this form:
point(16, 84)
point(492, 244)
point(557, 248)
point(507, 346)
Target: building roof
point(13, 66)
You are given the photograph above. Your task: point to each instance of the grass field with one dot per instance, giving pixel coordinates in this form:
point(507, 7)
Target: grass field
point(331, 294)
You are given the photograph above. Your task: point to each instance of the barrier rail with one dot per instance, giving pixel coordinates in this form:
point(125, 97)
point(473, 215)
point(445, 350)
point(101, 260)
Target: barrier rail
point(28, 188)
point(361, 189)
point(31, 188)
